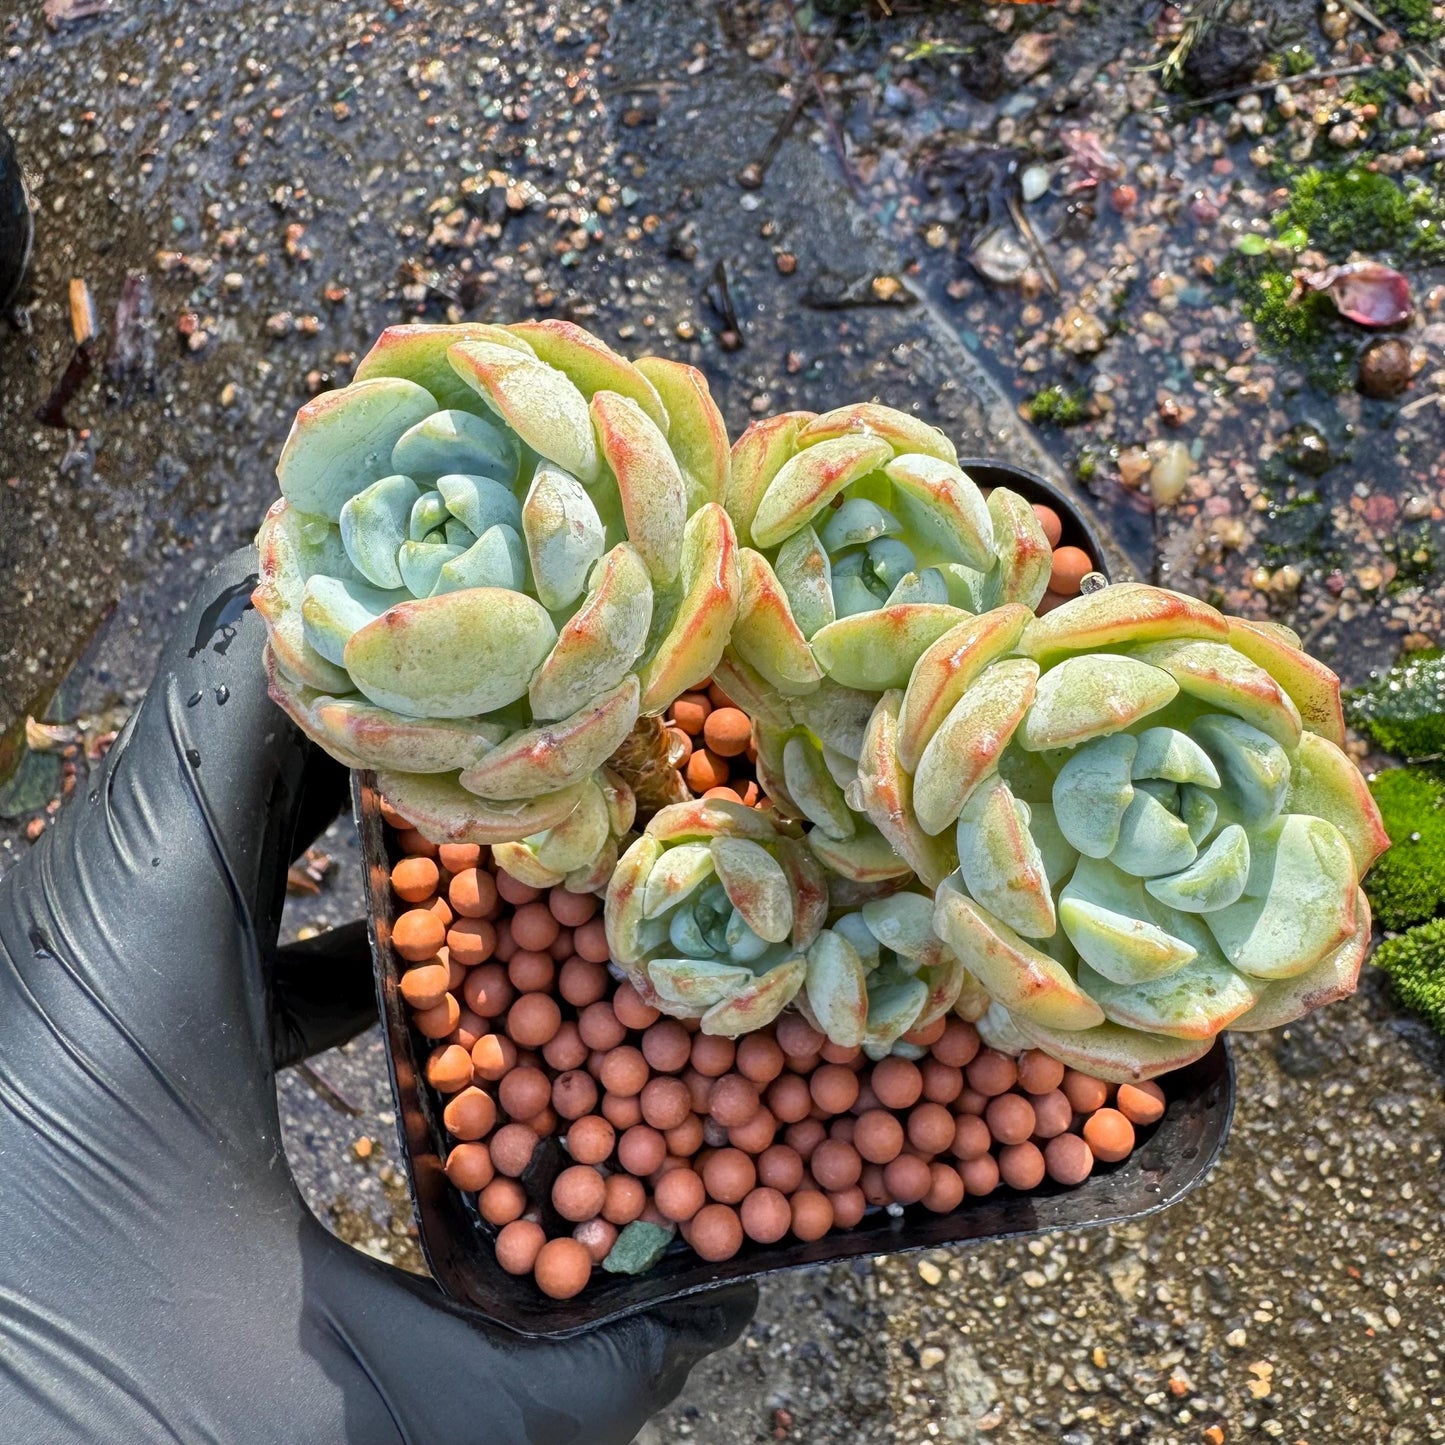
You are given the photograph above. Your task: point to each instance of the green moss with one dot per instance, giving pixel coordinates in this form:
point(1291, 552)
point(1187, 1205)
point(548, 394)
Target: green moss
point(1407, 885)
point(1294, 59)
point(1086, 466)
point(1413, 18)
point(1306, 331)
point(1415, 962)
point(1056, 407)
point(1355, 209)
point(1404, 711)
point(1416, 557)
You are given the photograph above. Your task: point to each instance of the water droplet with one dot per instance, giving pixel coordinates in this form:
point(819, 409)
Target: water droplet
point(1093, 582)
point(193, 757)
point(193, 699)
point(93, 796)
point(155, 862)
point(223, 694)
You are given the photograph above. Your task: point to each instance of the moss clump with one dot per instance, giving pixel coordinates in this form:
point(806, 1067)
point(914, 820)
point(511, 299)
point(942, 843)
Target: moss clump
point(1305, 331)
point(1415, 18)
point(1361, 210)
point(1415, 962)
point(1404, 711)
point(1407, 885)
point(1056, 407)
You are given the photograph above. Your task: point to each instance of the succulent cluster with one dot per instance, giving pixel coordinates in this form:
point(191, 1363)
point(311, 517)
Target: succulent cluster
point(1110, 831)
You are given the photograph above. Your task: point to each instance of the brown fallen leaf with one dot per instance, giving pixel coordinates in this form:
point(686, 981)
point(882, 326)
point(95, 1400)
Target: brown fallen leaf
point(1366, 292)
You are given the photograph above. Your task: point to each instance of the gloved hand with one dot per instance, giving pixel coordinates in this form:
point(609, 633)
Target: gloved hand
point(160, 1276)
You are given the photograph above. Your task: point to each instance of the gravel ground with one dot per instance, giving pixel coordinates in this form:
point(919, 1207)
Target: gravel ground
point(288, 189)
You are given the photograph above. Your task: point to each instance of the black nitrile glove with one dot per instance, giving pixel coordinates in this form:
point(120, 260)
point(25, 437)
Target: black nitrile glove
point(160, 1276)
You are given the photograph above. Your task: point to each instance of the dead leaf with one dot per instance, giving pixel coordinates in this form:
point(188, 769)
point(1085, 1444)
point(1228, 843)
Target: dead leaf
point(1366, 292)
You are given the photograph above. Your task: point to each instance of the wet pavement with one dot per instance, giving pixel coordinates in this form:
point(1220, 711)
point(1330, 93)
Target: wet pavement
point(286, 189)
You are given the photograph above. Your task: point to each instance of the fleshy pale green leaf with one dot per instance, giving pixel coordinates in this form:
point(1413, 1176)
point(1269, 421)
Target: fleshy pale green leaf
point(1092, 792)
point(1000, 863)
point(1254, 770)
point(1107, 917)
point(1091, 696)
point(1214, 880)
point(565, 536)
point(1153, 840)
point(333, 610)
point(456, 441)
point(837, 988)
point(374, 524)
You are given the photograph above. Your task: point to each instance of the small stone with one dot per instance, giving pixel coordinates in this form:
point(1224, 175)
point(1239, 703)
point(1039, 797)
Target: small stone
point(1081, 332)
point(1170, 474)
point(930, 1357)
point(34, 828)
point(1214, 1435)
point(929, 1272)
point(1034, 182)
point(638, 1248)
point(228, 394)
point(1236, 1339)
point(1134, 466)
point(362, 1148)
point(1385, 368)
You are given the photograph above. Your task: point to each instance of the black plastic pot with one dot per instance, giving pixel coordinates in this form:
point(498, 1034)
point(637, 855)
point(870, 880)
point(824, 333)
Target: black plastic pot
point(1171, 1159)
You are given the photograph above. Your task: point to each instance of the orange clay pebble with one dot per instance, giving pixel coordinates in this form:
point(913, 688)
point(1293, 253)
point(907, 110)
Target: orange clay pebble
point(1071, 566)
point(597, 1237)
point(836, 1165)
point(562, 1268)
point(970, 1101)
point(641, 1150)
point(706, 770)
point(992, 1072)
point(759, 1058)
point(1049, 521)
point(581, 982)
point(493, 1057)
point(679, 1194)
point(524, 1092)
point(449, 1069)
point(627, 1004)
point(849, 1206)
point(980, 1176)
point(766, 1215)
point(945, 1189)
point(907, 1178)
point(1010, 1118)
point(715, 1232)
point(812, 1214)
point(518, 1245)
point(531, 972)
point(391, 817)
point(667, 1046)
point(470, 1114)
point(1141, 1103)
point(789, 1098)
point(565, 1049)
point(1085, 1092)
point(1038, 1073)
point(690, 712)
point(712, 1055)
point(574, 1096)
point(805, 1136)
point(417, 934)
point(622, 1112)
point(543, 1124)
point(473, 893)
point(513, 890)
point(600, 1027)
point(570, 909)
point(626, 1199)
point(414, 880)
point(1021, 1166)
point(456, 975)
point(685, 1139)
point(756, 1134)
point(666, 1102)
point(930, 1128)
point(878, 1136)
point(471, 941)
point(1052, 1113)
point(727, 731)
point(534, 927)
point(872, 1185)
point(439, 1020)
point(928, 1034)
point(958, 1045)
point(506, 944)
point(1109, 1134)
point(624, 1071)
point(512, 1149)
point(681, 746)
point(443, 914)
point(425, 985)
point(942, 1083)
point(561, 949)
point(729, 1174)
point(590, 941)
point(832, 1053)
point(469, 1167)
point(454, 857)
point(1068, 1159)
point(971, 1139)
point(834, 1088)
point(780, 1168)
point(501, 1201)
point(579, 1193)
point(590, 1139)
point(733, 1101)
point(844, 1128)
point(488, 991)
point(726, 795)
point(533, 1020)
point(797, 1037)
point(412, 842)
point(897, 1082)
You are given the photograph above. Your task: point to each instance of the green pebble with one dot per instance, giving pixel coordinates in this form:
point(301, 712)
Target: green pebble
point(638, 1248)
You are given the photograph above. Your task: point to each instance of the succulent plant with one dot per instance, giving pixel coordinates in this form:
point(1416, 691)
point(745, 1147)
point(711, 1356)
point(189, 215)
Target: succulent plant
point(496, 549)
point(862, 540)
point(717, 914)
point(1156, 832)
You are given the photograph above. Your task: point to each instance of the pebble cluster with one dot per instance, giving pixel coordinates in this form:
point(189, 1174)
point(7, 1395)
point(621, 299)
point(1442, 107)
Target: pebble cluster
point(777, 1134)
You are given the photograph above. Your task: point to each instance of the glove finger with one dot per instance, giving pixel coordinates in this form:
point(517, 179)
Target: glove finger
point(322, 993)
point(447, 1373)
